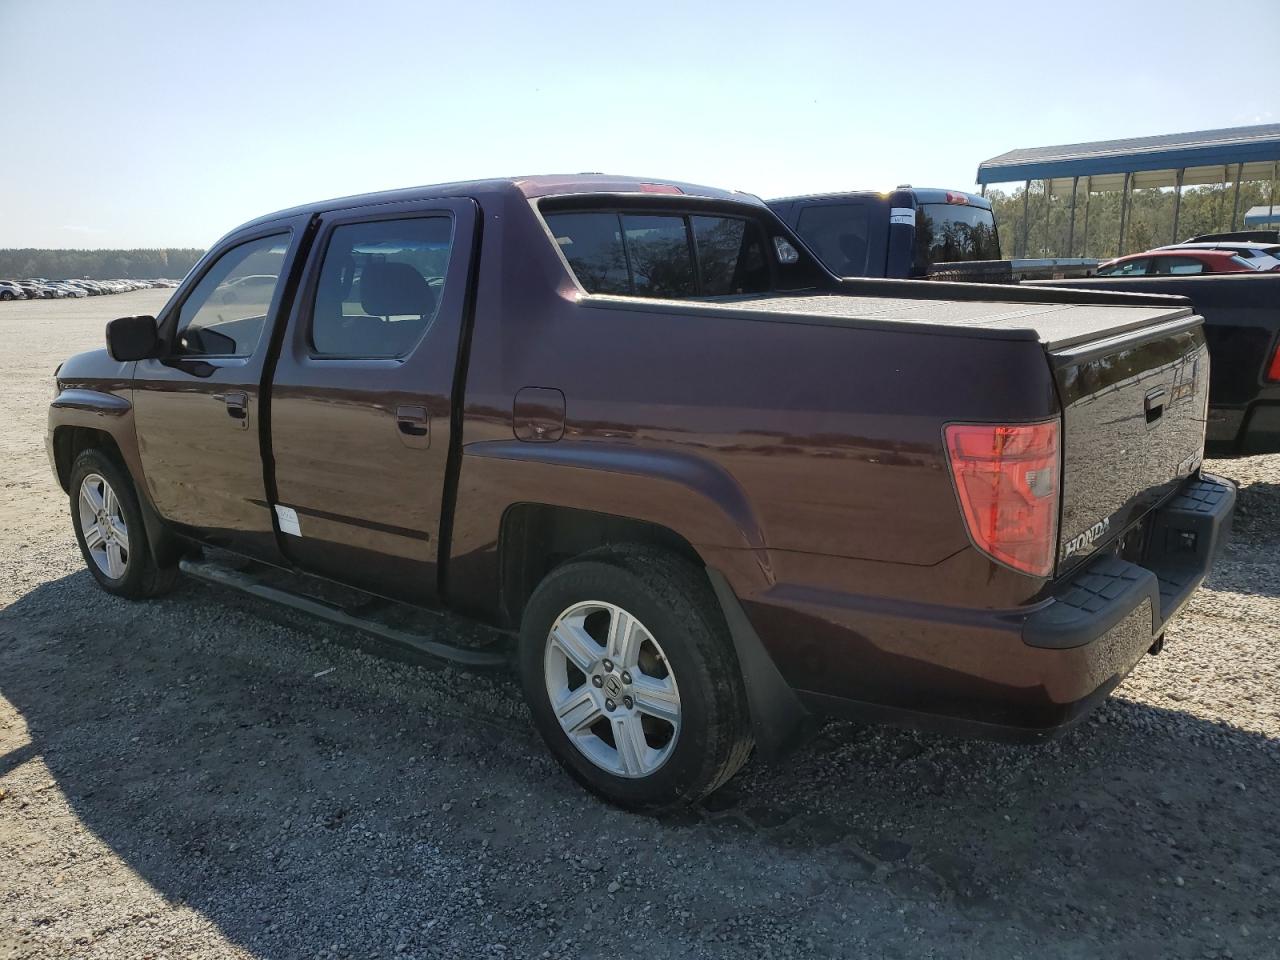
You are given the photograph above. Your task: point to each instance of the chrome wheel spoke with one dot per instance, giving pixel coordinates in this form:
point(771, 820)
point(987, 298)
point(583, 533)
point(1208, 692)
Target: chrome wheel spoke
point(120, 533)
point(657, 698)
point(90, 496)
point(632, 748)
point(624, 638)
point(571, 637)
point(115, 560)
point(109, 502)
point(93, 536)
point(578, 710)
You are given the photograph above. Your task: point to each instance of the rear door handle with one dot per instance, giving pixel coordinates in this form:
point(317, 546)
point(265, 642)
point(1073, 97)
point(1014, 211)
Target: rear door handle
point(414, 426)
point(237, 408)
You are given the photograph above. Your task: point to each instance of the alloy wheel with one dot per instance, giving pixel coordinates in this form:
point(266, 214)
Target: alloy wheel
point(102, 524)
point(612, 689)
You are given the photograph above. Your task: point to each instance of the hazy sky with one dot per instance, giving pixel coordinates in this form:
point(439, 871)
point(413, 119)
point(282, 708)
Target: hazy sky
point(130, 123)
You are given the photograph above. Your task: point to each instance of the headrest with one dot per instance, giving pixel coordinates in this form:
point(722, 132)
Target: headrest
point(395, 289)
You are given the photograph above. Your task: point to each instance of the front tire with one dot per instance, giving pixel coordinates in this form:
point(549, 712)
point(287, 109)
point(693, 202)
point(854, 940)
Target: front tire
point(632, 679)
point(109, 529)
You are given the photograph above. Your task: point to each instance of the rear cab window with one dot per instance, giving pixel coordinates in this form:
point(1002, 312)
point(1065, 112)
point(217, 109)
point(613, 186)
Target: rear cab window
point(676, 254)
point(955, 233)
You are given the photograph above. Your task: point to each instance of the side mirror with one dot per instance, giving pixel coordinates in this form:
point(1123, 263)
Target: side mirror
point(132, 338)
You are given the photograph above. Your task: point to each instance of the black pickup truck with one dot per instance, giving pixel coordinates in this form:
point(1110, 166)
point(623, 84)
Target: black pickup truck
point(950, 235)
point(914, 233)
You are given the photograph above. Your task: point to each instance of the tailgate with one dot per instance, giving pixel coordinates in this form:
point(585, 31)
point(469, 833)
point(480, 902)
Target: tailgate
point(1134, 409)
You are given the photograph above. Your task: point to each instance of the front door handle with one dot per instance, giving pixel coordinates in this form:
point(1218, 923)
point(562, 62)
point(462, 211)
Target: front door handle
point(237, 408)
point(413, 424)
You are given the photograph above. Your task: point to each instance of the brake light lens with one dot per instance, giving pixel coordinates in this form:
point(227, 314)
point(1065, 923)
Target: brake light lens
point(1273, 369)
point(660, 188)
point(1006, 478)
point(956, 198)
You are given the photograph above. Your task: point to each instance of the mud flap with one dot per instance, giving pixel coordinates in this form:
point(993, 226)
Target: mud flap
point(779, 721)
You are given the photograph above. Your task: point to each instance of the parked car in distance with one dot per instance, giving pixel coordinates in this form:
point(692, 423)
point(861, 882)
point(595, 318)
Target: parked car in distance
point(11, 291)
point(1266, 256)
point(37, 290)
point(1179, 262)
point(703, 486)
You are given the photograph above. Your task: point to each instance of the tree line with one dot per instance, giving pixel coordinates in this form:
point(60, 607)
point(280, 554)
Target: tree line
point(1149, 221)
point(142, 264)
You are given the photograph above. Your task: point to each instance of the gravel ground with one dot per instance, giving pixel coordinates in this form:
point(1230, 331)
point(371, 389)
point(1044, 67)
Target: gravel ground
point(207, 776)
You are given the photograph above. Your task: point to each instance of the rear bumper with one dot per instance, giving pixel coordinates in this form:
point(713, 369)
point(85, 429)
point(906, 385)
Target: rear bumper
point(1009, 674)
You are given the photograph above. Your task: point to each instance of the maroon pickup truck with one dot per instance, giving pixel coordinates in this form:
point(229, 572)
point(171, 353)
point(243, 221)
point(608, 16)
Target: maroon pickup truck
point(709, 488)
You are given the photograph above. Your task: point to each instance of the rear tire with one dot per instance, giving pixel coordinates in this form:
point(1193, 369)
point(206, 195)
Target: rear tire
point(641, 629)
point(6, 294)
point(110, 531)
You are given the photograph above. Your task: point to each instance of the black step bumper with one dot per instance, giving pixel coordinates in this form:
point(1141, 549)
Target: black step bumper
point(1186, 535)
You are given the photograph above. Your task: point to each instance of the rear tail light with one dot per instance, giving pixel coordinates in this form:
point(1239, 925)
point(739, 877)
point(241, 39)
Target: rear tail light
point(1273, 369)
point(1006, 478)
point(660, 188)
point(957, 197)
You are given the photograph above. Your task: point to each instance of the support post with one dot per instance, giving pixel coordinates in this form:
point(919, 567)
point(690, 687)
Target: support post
point(1048, 207)
point(1124, 213)
point(1235, 201)
point(1088, 191)
point(1026, 199)
point(1177, 203)
point(1271, 197)
point(983, 191)
point(1071, 230)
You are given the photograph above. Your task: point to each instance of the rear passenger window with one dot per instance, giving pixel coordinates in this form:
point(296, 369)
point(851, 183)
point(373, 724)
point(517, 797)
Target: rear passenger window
point(379, 287)
point(669, 256)
point(1178, 265)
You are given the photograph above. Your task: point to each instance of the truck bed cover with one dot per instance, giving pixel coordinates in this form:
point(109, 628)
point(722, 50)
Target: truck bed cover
point(1056, 325)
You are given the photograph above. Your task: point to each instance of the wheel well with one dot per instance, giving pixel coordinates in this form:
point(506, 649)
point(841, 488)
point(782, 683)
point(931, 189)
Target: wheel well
point(68, 442)
point(536, 538)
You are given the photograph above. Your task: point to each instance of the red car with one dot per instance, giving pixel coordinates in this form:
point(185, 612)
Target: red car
point(1178, 262)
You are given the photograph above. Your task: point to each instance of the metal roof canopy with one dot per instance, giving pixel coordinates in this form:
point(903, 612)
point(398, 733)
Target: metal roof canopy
point(1170, 160)
point(1151, 161)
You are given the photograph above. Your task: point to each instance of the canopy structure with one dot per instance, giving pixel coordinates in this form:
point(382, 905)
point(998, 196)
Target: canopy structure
point(1262, 217)
point(1169, 160)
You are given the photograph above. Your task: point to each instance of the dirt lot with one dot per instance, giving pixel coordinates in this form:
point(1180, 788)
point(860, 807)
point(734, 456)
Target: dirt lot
point(184, 779)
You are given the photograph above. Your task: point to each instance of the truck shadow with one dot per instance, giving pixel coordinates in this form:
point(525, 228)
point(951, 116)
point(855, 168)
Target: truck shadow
point(297, 811)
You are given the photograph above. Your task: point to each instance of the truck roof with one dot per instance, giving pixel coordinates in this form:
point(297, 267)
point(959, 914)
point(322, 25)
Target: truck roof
point(921, 194)
point(543, 185)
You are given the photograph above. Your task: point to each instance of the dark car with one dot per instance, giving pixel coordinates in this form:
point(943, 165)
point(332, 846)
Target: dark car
point(701, 487)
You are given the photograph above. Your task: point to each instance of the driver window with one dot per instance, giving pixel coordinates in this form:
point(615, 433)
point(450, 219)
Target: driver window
point(227, 311)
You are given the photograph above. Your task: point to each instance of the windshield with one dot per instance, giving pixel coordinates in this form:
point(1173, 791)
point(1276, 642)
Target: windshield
point(952, 232)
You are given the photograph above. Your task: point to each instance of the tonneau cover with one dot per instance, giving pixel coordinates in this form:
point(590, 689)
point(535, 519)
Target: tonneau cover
point(1056, 325)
